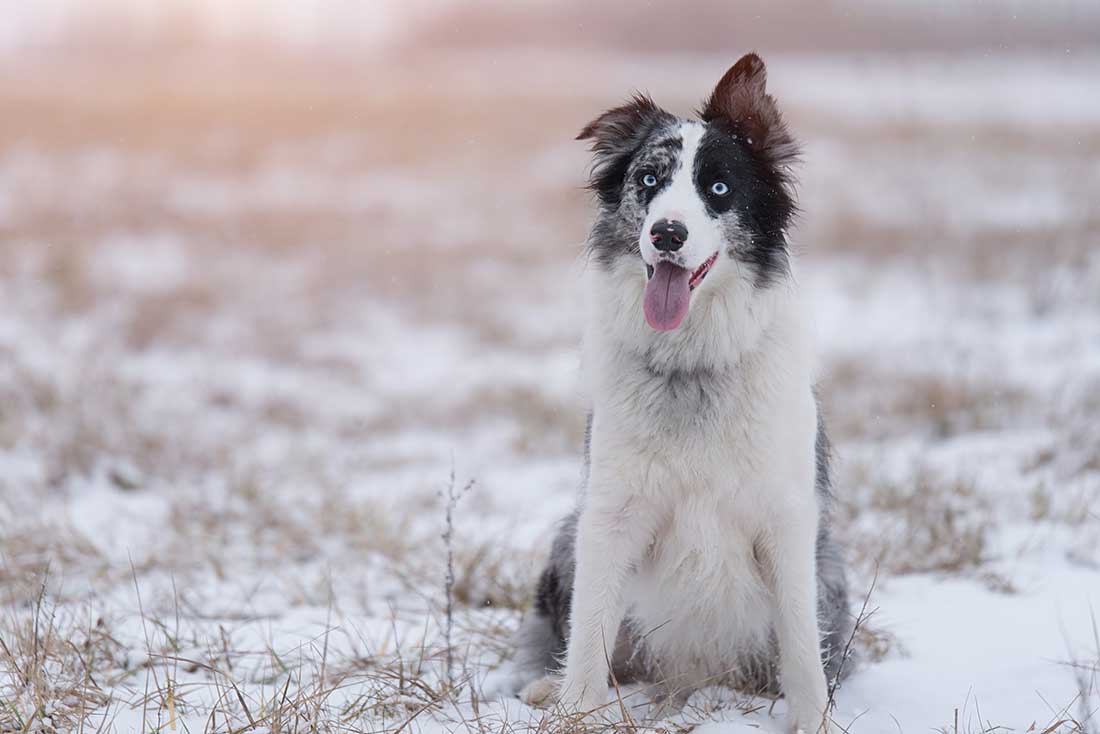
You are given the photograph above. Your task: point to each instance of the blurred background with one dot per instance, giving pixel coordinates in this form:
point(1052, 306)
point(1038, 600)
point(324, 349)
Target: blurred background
point(272, 272)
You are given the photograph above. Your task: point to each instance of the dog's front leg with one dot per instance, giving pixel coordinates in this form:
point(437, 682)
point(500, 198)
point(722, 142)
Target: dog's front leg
point(791, 557)
point(611, 536)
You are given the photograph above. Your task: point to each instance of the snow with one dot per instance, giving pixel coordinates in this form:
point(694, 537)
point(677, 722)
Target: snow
point(252, 427)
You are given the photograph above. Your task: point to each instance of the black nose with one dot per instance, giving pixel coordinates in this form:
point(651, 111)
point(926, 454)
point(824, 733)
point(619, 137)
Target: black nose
point(668, 235)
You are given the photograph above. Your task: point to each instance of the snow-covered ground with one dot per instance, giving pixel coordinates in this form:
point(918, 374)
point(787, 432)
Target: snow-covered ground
point(255, 325)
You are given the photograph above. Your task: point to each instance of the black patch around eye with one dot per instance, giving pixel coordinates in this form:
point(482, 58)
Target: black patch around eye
point(721, 158)
point(758, 193)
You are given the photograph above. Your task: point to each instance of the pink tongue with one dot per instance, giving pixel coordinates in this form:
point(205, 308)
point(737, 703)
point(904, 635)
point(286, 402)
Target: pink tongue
point(667, 296)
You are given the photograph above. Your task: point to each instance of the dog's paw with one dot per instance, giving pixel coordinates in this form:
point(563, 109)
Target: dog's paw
point(542, 692)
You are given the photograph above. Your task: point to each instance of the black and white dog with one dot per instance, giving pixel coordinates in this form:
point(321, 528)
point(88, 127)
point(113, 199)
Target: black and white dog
point(701, 553)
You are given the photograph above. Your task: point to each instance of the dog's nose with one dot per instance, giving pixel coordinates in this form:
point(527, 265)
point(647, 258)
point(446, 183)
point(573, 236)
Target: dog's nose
point(668, 235)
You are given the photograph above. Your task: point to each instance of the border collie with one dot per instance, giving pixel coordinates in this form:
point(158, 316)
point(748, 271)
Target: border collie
point(701, 552)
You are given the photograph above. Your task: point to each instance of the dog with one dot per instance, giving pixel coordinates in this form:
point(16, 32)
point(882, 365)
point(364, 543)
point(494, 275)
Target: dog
point(701, 552)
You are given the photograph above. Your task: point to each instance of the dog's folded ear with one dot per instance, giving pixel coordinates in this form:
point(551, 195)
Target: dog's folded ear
point(741, 100)
point(620, 124)
point(616, 136)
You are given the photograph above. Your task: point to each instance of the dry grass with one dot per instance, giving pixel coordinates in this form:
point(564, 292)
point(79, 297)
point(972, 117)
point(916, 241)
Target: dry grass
point(58, 670)
point(204, 400)
point(874, 402)
point(30, 547)
point(922, 525)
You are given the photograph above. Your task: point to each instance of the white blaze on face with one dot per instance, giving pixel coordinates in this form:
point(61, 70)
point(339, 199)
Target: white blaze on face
point(680, 201)
point(672, 275)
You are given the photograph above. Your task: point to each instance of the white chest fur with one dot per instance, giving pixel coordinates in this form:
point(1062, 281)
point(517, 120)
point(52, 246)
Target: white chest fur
point(700, 445)
point(698, 598)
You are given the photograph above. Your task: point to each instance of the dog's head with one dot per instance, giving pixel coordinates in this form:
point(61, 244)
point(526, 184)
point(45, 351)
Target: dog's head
point(694, 204)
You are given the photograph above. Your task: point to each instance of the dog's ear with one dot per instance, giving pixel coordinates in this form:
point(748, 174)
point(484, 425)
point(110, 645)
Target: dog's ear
point(616, 136)
point(741, 100)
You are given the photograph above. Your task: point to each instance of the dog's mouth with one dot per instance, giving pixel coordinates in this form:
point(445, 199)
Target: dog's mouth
point(668, 292)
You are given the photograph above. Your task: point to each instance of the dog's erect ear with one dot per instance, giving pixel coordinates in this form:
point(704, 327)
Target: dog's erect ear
point(740, 99)
point(616, 136)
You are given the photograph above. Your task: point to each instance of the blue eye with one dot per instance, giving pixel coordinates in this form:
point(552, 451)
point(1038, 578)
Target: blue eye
point(649, 180)
point(719, 188)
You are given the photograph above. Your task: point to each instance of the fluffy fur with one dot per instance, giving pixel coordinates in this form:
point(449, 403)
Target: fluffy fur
point(701, 552)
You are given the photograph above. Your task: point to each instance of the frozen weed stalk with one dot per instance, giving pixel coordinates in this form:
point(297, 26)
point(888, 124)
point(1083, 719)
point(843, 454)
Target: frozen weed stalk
point(451, 497)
